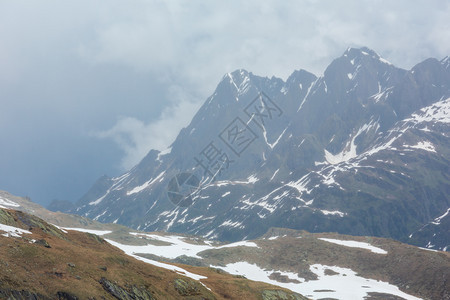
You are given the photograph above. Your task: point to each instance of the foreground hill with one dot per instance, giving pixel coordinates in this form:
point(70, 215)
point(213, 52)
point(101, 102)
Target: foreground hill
point(319, 266)
point(315, 265)
point(40, 261)
point(362, 150)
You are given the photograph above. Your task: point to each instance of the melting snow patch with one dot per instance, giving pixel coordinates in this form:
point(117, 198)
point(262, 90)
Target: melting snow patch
point(345, 155)
point(355, 244)
point(177, 246)
point(5, 202)
point(222, 183)
point(99, 199)
point(385, 61)
point(437, 112)
point(437, 221)
point(11, 231)
point(254, 272)
point(333, 213)
point(102, 214)
point(276, 237)
point(146, 184)
point(349, 150)
point(238, 244)
point(228, 223)
point(429, 249)
point(179, 270)
point(97, 232)
point(276, 142)
point(344, 285)
point(252, 179)
point(300, 185)
point(381, 94)
point(427, 146)
point(274, 174)
point(60, 228)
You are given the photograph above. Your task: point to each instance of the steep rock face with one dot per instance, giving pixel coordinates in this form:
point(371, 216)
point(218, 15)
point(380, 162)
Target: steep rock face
point(363, 150)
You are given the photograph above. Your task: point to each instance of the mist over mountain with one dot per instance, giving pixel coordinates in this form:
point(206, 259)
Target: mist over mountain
point(362, 150)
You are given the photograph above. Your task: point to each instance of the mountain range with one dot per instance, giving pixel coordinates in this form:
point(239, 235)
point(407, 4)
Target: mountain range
point(82, 259)
point(362, 150)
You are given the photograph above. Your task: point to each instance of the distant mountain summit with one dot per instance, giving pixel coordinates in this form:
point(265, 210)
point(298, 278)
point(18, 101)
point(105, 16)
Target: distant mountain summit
point(362, 150)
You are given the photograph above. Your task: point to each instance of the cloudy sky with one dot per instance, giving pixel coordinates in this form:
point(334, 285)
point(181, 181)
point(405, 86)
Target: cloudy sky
point(88, 87)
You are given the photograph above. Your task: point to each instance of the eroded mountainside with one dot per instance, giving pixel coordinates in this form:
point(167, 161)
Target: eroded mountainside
point(362, 150)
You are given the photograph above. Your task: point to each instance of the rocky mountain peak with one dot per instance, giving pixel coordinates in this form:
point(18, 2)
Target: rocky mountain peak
point(302, 78)
point(335, 153)
point(361, 72)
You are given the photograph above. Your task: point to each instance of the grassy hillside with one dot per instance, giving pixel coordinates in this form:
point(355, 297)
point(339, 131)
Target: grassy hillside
point(52, 264)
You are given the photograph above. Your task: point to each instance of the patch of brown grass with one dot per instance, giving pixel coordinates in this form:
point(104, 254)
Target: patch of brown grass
point(76, 262)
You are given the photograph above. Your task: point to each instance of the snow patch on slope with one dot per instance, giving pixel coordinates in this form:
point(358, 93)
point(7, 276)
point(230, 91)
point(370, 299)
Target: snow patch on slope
point(349, 150)
point(176, 269)
point(427, 146)
point(177, 246)
point(333, 213)
point(274, 143)
point(5, 203)
point(438, 220)
point(437, 112)
point(95, 202)
point(92, 231)
point(11, 231)
point(229, 223)
point(146, 184)
point(346, 284)
point(355, 244)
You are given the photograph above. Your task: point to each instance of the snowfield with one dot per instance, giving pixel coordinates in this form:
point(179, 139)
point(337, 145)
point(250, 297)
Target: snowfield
point(355, 244)
point(177, 247)
point(344, 285)
point(11, 231)
point(179, 270)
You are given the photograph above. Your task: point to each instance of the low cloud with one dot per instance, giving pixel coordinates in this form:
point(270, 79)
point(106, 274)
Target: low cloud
point(193, 45)
point(135, 137)
point(80, 64)
point(200, 41)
